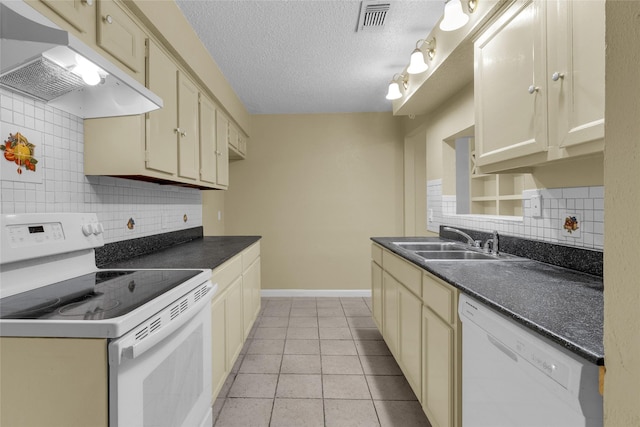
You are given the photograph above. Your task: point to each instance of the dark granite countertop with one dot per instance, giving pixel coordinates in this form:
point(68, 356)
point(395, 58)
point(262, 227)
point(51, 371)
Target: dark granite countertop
point(563, 305)
point(205, 252)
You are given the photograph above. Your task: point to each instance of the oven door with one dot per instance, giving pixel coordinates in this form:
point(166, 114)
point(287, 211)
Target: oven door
point(160, 373)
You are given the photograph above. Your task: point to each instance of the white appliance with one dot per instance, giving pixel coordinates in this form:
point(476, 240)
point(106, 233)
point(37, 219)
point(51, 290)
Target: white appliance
point(513, 378)
point(157, 321)
point(42, 61)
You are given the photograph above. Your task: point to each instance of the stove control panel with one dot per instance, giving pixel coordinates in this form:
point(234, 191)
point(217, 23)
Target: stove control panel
point(27, 236)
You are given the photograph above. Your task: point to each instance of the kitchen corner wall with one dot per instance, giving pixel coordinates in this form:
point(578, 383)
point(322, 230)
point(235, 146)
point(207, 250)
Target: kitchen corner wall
point(64, 188)
point(586, 204)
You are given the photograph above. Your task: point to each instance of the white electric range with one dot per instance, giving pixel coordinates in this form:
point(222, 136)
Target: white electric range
point(156, 321)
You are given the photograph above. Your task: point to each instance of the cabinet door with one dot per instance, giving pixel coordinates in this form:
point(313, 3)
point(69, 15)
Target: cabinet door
point(121, 37)
point(233, 136)
point(54, 382)
point(411, 339)
point(376, 293)
point(438, 363)
point(251, 295)
point(162, 138)
point(188, 141)
point(208, 150)
point(390, 322)
point(576, 55)
point(510, 89)
point(235, 335)
point(218, 344)
point(79, 13)
point(222, 126)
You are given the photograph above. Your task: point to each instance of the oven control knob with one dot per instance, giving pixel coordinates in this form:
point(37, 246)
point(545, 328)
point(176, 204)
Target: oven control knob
point(87, 229)
point(98, 228)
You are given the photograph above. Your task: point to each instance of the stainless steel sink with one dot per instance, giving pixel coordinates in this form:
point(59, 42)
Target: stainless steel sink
point(429, 246)
point(463, 255)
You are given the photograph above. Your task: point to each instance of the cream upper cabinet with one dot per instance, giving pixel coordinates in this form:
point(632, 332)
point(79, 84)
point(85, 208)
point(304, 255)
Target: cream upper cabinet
point(208, 141)
point(81, 14)
point(575, 75)
point(162, 134)
point(539, 84)
point(188, 141)
point(509, 85)
point(222, 125)
point(163, 145)
point(119, 35)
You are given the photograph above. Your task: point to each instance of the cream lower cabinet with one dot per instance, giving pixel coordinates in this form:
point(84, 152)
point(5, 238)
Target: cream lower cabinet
point(233, 310)
point(36, 389)
point(250, 286)
point(539, 84)
point(441, 353)
point(376, 292)
point(420, 325)
point(401, 321)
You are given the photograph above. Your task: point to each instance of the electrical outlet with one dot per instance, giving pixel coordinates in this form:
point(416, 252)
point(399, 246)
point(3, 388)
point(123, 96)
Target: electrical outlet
point(536, 206)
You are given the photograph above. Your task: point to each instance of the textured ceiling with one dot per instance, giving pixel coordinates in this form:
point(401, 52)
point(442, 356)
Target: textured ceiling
point(304, 56)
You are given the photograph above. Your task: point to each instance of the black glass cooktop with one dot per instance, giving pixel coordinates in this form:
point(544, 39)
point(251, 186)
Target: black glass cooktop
point(101, 295)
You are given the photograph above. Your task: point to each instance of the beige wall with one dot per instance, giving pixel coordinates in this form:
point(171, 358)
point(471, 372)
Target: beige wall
point(622, 230)
point(450, 120)
point(316, 187)
point(213, 213)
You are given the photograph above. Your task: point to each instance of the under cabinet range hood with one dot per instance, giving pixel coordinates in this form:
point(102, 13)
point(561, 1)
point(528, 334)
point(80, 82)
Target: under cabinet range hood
point(42, 61)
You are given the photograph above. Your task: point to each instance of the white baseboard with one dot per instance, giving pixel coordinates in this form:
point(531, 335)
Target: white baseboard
point(316, 293)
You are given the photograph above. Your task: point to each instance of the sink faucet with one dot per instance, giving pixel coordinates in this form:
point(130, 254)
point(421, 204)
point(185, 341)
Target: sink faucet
point(470, 241)
point(494, 241)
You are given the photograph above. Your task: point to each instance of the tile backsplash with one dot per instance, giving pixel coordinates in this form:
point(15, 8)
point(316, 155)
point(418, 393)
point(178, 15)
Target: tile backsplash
point(586, 204)
point(154, 208)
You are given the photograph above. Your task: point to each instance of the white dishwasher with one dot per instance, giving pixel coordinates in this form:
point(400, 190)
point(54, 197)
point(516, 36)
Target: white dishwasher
point(513, 378)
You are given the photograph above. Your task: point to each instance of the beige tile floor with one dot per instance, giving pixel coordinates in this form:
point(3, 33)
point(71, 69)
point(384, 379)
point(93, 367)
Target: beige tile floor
point(316, 362)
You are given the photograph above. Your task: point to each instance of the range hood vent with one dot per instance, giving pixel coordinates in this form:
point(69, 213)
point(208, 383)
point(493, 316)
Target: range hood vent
point(39, 60)
point(373, 15)
point(42, 79)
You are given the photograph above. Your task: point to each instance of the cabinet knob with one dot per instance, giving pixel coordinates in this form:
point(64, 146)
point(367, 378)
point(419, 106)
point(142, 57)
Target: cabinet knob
point(108, 19)
point(177, 130)
point(183, 133)
point(533, 89)
point(88, 2)
point(557, 76)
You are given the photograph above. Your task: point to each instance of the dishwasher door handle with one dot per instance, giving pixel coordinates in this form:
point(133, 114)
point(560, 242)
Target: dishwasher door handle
point(503, 348)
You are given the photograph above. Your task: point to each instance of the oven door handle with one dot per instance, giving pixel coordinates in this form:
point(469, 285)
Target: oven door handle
point(136, 350)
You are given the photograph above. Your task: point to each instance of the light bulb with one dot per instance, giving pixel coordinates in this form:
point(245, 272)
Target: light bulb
point(417, 64)
point(394, 91)
point(454, 17)
point(90, 77)
point(86, 69)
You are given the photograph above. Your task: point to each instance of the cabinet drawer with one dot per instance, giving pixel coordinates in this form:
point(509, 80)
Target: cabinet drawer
point(249, 255)
point(225, 274)
point(405, 273)
point(439, 297)
point(376, 254)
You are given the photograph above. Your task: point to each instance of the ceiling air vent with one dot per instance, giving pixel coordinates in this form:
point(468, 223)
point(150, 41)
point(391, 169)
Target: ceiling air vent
point(373, 15)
